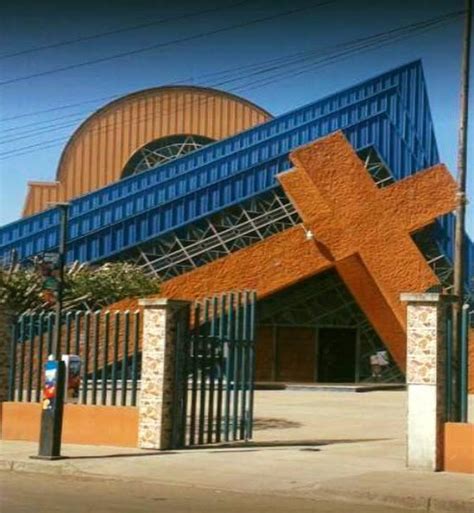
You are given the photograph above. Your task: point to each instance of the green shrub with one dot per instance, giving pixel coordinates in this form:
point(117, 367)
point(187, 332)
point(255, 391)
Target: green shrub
point(86, 287)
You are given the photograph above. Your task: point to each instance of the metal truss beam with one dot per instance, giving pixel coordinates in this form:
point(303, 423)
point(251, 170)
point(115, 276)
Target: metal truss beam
point(426, 241)
point(377, 168)
point(232, 229)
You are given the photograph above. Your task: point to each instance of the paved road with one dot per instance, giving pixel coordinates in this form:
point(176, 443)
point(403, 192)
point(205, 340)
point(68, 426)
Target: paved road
point(30, 493)
point(306, 444)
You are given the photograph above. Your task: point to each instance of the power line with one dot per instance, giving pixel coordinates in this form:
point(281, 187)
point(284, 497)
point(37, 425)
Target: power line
point(43, 122)
point(35, 132)
point(260, 67)
point(228, 71)
point(236, 71)
point(122, 30)
point(57, 139)
point(166, 43)
point(356, 46)
point(93, 100)
point(62, 107)
point(297, 59)
point(24, 151)
point(364, 48)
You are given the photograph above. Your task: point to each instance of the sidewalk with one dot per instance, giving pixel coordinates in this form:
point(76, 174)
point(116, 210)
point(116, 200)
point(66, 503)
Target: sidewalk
point(293, 455)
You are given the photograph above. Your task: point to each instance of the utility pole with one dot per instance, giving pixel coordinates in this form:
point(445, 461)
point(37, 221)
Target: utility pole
point(55, 371)
point(460, 248)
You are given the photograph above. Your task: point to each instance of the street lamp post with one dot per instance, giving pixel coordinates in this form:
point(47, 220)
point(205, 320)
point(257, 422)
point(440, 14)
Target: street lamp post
point(460, 247)
point(52, 407)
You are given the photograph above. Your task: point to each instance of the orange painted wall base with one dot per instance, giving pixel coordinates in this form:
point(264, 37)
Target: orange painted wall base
point(459, 447)
point(88, 425)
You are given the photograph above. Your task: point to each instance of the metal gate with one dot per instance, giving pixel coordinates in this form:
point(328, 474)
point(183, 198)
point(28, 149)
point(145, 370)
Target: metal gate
point(215, 372)
point(457, 412)
point(108, 344)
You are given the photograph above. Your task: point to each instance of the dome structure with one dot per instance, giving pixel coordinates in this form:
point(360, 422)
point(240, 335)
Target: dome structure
point(139, 131)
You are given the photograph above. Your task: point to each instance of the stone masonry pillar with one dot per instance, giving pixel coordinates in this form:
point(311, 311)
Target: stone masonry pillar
point(6, 323)
point(164, 321)
point(425, 376)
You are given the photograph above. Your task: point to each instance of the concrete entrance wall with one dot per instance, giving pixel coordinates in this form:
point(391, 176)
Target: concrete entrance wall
point(149, 425)
point(83, 424)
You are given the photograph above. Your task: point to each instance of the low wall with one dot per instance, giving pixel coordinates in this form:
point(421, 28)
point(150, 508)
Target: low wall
point(83, 424)
point(459, 447)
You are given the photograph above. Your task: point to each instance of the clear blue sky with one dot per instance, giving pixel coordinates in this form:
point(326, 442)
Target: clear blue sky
point(27, 24)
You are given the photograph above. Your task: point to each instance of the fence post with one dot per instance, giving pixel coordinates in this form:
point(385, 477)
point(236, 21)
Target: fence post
point(6, 328)
point(163, 321)
point(426, 378)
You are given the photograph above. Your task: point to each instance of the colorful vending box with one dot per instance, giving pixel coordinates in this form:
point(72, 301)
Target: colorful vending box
point(72, 380)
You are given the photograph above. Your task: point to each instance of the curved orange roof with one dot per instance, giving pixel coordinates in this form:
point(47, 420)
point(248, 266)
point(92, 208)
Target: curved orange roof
point(99, 149)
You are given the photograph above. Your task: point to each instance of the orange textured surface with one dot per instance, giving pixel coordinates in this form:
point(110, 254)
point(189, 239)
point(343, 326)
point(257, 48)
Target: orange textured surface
point(92, 425)
point(350, 215)
point(459, 447)
point(338, 200)
point(99, 149)
point(267, 267)
point(361, 230)
point(373, 303)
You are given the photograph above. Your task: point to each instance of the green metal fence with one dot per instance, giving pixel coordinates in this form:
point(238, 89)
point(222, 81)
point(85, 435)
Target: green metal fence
point(461, 379)
point(216, 371)
point(467, 318)
point(108, 344)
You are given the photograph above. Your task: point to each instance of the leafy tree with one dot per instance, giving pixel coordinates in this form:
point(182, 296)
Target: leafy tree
point(111, 282)
point(20, 289)
point(85, 287)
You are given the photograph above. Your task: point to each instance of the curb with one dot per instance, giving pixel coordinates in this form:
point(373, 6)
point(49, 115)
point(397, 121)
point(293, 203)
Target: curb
point(369, 497)
point(442, 506)
point(47, 467)
point(412, 502)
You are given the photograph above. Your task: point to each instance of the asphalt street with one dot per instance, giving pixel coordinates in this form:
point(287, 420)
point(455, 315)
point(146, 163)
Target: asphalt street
point(34, 493)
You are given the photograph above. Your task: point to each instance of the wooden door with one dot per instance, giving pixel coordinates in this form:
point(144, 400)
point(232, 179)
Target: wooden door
point(296, 354)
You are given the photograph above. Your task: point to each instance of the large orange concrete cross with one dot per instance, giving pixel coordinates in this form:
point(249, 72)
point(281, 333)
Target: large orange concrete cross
point(362, 231)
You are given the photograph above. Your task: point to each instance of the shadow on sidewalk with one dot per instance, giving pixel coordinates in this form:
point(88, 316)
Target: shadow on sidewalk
point(123, 455)
point(305, 445)
point(283, 444)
